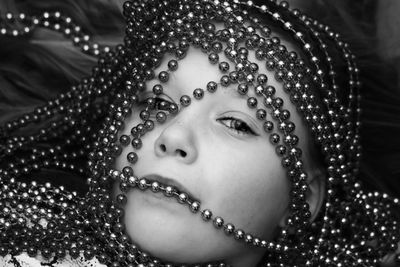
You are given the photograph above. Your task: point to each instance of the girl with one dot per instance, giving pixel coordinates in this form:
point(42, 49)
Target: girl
point(229, 136)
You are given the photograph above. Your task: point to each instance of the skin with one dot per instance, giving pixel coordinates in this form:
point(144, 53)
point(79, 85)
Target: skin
point(233, 172)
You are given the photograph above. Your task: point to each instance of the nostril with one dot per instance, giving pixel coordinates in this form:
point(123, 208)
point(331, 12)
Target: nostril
point(182, 153)
point(163, 148)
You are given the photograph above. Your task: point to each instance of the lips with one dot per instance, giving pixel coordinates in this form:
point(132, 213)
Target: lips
point(165, 181)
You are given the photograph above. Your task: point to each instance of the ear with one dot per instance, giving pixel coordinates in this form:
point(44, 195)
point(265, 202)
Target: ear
point(316, 192)
point(315, 195)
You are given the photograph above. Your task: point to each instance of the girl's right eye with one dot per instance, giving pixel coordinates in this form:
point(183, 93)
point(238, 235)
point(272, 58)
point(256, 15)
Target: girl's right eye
point(157, 102)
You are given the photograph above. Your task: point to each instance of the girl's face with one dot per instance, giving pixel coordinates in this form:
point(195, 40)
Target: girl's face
point(217, 150)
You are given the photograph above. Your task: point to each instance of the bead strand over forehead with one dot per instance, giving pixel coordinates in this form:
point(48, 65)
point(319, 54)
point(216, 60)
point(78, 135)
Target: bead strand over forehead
point(155, 28)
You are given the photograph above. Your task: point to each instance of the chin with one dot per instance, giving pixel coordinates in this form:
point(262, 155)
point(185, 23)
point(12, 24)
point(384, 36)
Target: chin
point(168, 234)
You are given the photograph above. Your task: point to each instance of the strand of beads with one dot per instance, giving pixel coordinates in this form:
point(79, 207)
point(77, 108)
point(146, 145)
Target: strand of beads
point(21, 25)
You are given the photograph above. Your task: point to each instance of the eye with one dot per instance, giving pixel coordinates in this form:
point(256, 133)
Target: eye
point(237, 125)
point(162, 104)
point(158, 102)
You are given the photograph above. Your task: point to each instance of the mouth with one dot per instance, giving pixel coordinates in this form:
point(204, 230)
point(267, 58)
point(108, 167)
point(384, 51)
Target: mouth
point(170, 187)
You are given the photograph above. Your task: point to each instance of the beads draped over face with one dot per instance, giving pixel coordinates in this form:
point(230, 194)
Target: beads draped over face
point(157, 28)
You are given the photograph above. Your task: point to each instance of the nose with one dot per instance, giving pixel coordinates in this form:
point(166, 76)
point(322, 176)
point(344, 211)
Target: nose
point(177, 140)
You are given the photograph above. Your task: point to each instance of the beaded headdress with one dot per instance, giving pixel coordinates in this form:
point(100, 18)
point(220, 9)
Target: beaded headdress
point(354, 228)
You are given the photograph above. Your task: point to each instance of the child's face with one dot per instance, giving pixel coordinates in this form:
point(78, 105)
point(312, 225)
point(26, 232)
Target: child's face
point(228, 164)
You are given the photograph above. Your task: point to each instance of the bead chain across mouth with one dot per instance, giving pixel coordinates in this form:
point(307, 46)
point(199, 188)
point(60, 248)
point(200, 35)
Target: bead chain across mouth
point(145, 184)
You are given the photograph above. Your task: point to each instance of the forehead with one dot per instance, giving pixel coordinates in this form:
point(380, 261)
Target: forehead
point(197, 69)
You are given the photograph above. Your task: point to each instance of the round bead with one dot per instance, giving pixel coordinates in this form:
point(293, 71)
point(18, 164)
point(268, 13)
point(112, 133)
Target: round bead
point(143, 184)
point(124, 140)
point(224, 66)
point(225, 80)
point(239, 234)
point(206, 215)
point(155, 187)
point(248, 239)
point(173, 108)
point(161, 117)
point(169, 191)
point(274, 138)
point(157, 89)
point(252, 102)
point(262, 79)
point(198, 93)
point(149, 125)
point(182, 197)
point(132, 157)
point(185, 100)
point(172, 65)
point(195, 206)
point(137, 143)
point(229, 228)
point(218, 222)
point(261, 114)
point(212, 87)
point(213, 58)
point(163, 76)
point(268, 126)
point(243, 88)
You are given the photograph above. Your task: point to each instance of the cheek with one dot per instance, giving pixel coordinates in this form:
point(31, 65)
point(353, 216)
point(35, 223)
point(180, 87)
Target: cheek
point(252, 189)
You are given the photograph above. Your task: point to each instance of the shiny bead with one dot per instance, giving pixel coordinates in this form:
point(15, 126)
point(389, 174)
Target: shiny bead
point(163, 76)
point(157, 89)
point(143, 184)
point(195, 206)
point(225, 80)
point(206, 215)
point(274, 138)
point(136, 143)
point(218, 222)
point(229, 228)
point(252, 102)
point(213, 58)
point(268, 126)
point(155, 187)
point(198, 93)
point(212, 87)
point(239, 234)
point(124, 140)
point(182, 197)
point(248, 238)
point(132, 157)
point(161, 117)
point(185, 100)
point(224, 66)
point(261, 114)
point(169, 191)
point(172, 65)
point(242, 88)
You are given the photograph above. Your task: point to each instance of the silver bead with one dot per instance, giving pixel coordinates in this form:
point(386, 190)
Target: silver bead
point(182, 198)
point(155, 187)
point(206, 215)
point(133, 181)
point(229, 228)
point(248, 239)
point(185, 100)
point(195, 206)
point(143, 184)
point(198, 93)
point(218, 222)
point(169, 191)
point(239, 234)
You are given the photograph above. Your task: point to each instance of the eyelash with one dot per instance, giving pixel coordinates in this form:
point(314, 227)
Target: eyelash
point(158, 102)
point(241, 127)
